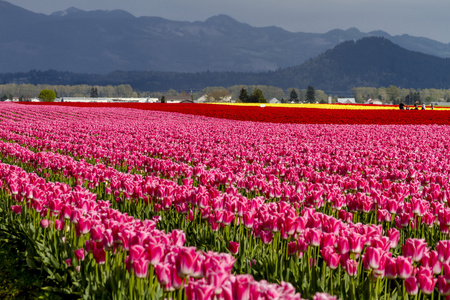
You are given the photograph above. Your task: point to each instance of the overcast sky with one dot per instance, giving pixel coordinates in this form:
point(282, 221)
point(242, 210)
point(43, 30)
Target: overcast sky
point(426, 18)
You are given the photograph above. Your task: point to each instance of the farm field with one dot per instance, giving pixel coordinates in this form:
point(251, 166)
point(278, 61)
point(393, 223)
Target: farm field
point(183, 201)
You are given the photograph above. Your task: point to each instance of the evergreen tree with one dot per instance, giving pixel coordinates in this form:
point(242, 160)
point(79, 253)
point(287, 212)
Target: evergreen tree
point(310, 94)
point(243, 95)
point(293, 96)
point(257, 96)
point(94, 93)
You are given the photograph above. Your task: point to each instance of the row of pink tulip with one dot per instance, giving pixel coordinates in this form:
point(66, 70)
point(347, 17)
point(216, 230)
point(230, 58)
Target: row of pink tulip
point(165, 193)
point(112, 231)
point(257, 175)
point(218, 208)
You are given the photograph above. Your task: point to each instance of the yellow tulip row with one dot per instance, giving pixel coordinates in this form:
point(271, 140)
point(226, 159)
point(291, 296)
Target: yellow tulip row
point(329, 106)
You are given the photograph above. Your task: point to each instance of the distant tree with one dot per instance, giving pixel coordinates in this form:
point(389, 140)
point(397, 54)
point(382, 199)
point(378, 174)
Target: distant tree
point(218, 95)
point(293, 96)
point(94, 92)
point(393, 93)
point(257, 96)
point(243, 95)
point(163, 99)
point(310, 94)
point(416, 97)
point(47, 95)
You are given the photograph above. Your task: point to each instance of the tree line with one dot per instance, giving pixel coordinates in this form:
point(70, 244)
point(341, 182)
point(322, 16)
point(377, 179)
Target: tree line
point(395, 95)
point(255, 93)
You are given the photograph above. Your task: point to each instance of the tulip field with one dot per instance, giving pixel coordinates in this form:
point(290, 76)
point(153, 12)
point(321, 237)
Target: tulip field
point(203, 201)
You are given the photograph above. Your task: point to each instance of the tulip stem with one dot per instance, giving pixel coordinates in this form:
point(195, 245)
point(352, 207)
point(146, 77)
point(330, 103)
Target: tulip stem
point(331, 280)
point(353, 287)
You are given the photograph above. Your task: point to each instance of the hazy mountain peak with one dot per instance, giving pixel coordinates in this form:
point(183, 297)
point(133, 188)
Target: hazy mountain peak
point(74, 12)
point(221, 20)
point(352, 30)
point(379, 33)
point(69, 11)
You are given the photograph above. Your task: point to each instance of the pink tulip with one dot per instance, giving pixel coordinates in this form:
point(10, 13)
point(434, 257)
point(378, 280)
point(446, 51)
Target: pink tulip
point(324, 296)
point(140, 267)
point(249, 219)
point(99, 255)
point(351, 266)
point(96, 233)
point(290, 225)
point(59, 224)
point(83, 225)
point(414, 248)
point(136, 252)
point(69, 262)
point(228, 217)
point(227, 291)
point(328, 240)
point(201, 291)
point(430, 260)
point(411, 286)
point(80, 254)
point(292, 248)
point(17, 209)
point(383, 216)
point(108, 239)
point(233, 247)
point(155, 253)
point(356, 242)
point(394, 237)
point(443, 250)
point(266, 237)
point(14, 188)
point(404, 267)
point(241, 287)
point(331, 258)
point(313, 237)
point(372, 258)
point(55, 205)
point(426, 283)
point(66, 211)
point(343, 246)
point(216, 278)
point(178, 237)
point(163, 273)
point(45, 223)
point(302, 245)
point(38, 205)
point(185, 261)
point(391, 268)
point(443, 286)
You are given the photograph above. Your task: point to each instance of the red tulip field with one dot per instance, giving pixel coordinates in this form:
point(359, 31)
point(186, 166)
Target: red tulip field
point(189, 201)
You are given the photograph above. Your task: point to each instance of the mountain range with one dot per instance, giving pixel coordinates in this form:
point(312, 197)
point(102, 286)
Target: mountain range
point(101, 42)
point(370, 61)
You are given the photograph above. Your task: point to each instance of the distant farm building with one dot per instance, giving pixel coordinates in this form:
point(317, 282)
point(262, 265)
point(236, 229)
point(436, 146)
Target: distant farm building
point(274, 100)
point(346, 100)
point(374, 101)
point(178, 99)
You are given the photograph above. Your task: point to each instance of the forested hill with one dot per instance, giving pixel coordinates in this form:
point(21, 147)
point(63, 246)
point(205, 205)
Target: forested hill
point(374, 62)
